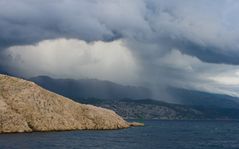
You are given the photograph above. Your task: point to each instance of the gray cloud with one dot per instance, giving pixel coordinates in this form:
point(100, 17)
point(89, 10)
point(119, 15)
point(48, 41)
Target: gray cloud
point(204, 28)
point(152, 29)
point(27, 22)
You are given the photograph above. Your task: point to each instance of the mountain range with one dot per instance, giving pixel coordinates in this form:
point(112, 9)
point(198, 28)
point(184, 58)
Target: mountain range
point(135, 102)
point(88, 88)
point(93, 88)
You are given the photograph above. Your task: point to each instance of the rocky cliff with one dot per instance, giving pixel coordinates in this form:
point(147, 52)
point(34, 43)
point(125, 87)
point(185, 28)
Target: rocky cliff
point(26, 107)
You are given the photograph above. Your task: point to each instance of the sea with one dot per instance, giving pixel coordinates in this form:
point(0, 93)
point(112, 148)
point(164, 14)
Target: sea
point(156, 134)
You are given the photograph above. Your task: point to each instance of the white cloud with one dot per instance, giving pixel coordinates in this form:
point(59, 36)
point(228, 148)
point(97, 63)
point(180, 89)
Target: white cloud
point(229, 77)
point(226, 80)
point(175, 59)
point(184, 71)
point(74, 58)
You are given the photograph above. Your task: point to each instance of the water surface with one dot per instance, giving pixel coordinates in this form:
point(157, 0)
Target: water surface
point(155, 135)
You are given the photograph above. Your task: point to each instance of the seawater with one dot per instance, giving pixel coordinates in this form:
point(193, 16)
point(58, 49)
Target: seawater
point(155, 134)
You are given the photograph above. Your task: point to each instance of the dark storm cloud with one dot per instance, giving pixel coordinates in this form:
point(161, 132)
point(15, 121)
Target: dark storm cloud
point(28, 22)
point(206, 53)
point(180, 43)
point(209, 28)
point(211, 54)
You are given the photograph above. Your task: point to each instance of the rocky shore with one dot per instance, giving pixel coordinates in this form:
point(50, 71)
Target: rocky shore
point(26, 107)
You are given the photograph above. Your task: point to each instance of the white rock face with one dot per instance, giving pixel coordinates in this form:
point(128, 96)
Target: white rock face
point(26, 107)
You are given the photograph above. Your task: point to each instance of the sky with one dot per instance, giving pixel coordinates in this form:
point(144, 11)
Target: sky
point(154, 43)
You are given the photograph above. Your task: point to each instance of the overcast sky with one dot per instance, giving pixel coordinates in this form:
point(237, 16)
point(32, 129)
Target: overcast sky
point(154, 43)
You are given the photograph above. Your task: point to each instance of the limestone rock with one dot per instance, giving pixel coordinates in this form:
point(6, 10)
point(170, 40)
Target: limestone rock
point(26, 107)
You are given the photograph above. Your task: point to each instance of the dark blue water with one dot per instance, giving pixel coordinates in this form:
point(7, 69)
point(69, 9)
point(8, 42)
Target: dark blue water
point(155, 135)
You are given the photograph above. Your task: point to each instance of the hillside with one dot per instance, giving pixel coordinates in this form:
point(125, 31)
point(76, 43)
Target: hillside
point(85, 88)
point(152, 109)
point(204, 99)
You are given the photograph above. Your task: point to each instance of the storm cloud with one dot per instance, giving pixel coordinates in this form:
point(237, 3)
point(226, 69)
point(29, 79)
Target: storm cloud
point(205, 29)
point(185, 43)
